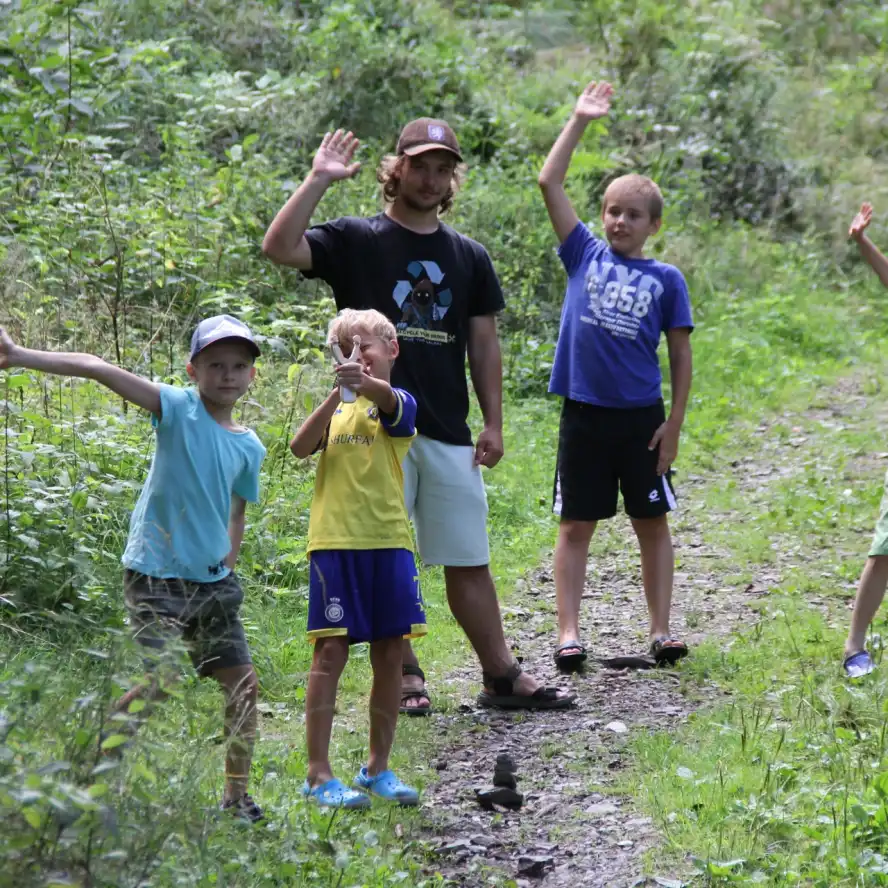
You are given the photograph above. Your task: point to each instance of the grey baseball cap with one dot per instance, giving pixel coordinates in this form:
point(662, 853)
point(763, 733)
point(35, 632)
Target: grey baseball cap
point(221, 327)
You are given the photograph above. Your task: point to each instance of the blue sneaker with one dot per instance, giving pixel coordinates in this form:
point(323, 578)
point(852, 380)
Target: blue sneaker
point(859, 664)
point(335, 794)
point(386, 785)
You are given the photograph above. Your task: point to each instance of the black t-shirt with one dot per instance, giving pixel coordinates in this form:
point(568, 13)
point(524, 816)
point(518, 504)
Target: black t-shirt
point(429, 285)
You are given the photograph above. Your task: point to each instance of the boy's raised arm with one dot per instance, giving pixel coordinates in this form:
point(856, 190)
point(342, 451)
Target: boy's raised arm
point(868, 249)
point(285, 241)
point(135, 389)
point(592, 104)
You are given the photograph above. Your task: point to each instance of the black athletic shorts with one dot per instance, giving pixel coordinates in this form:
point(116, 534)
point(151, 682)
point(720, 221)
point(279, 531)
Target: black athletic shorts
point(603, 449)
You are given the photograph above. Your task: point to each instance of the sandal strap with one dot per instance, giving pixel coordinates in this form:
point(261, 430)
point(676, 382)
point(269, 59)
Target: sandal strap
point(503, 685)
point(410, 669)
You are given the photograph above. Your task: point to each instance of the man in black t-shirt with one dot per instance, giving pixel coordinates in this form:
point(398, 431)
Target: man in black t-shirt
point(441, 291)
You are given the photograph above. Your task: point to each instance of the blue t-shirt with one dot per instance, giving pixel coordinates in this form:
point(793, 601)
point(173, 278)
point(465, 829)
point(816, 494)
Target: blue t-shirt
point(179, 527)
point(614, 311)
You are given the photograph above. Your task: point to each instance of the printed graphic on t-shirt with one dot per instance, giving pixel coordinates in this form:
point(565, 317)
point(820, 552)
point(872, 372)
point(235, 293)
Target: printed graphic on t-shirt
point(424, 299)
point(619, 297)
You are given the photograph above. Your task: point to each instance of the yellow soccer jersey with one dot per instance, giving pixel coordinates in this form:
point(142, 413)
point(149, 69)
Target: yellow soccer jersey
point(359, 489)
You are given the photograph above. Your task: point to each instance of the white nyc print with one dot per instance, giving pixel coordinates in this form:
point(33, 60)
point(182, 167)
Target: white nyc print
point(619, 301)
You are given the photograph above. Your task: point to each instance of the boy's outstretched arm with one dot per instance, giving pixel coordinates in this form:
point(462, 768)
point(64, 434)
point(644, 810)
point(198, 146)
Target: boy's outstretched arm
point(678, 340)
point(868, 249)
point(285, 241)
point(592, 104)
point(310, 434)
point(141, 392)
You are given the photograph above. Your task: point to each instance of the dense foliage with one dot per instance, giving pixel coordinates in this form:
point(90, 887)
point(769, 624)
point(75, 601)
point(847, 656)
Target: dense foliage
point(145, 148)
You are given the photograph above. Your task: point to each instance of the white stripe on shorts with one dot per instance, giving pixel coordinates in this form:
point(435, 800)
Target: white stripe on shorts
point(670, 496)
point(556, 506)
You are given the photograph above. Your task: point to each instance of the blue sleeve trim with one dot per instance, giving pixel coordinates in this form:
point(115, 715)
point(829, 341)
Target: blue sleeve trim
point(402, 423)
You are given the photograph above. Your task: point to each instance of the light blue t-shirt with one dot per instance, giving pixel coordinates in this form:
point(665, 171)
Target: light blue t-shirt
point(614, 311)
point(179, 527)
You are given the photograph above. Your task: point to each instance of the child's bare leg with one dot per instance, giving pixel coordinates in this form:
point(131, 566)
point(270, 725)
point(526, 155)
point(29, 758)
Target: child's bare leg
point(330, 657)
point(870, 592)
point(241, 688)
point(386, 657)
point(657, 567)
point(571, 554)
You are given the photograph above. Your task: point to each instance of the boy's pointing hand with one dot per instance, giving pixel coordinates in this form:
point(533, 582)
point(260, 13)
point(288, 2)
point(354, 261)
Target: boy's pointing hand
point(7, 347)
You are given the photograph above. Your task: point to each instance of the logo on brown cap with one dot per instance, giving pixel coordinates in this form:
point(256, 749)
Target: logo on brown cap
point(428, 134)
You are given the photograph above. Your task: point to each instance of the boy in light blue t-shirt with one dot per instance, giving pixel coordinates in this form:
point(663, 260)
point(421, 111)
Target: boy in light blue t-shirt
point(188, 524)
point(615, 435)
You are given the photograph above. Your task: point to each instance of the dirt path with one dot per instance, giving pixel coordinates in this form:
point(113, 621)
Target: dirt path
point(574, 830)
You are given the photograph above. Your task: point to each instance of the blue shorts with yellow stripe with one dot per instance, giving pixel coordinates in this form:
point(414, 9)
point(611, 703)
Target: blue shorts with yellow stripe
point(364, 595)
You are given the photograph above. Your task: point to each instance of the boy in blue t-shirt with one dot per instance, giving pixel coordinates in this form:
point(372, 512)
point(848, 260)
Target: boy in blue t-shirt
point(188, 524)
point(614, 431)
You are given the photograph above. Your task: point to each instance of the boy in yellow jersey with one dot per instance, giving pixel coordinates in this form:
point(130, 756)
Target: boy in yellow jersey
point(364, 585)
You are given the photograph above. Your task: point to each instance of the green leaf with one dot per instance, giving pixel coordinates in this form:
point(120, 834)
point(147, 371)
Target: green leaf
point(16, 382)
point(33, 816)
point(114, 741)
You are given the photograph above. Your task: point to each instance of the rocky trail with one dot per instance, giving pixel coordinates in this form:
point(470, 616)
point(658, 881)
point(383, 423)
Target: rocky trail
point(575, 829)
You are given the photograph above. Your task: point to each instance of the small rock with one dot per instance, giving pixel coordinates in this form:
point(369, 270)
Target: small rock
point(534, 866)
point(601, 809)
point(617, 727)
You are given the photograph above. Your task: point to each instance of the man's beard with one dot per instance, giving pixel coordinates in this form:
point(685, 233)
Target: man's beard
point(417, 206)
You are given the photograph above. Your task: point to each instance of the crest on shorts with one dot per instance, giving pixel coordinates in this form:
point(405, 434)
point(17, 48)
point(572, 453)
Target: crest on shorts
point(436, 133)
point(334, 612)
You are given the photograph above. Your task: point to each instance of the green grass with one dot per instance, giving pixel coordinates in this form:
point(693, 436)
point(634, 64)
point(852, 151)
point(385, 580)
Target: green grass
point(783, 784)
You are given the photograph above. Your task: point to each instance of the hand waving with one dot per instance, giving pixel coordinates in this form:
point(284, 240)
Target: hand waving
point(594, 101)
point(861, 220)
point(333, 158)
point(7, 347)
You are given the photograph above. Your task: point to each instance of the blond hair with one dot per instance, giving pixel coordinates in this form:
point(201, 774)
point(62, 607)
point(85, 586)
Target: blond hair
point(388, 174)
point(642, 186)
point(342, 327)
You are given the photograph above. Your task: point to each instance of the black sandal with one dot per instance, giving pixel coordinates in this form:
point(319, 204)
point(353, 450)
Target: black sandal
point(504, 696)
point(410, 669)
point(570, 662)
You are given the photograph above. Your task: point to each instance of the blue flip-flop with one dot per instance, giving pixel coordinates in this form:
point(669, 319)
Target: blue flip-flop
point(859, 664)
point(335, 794)
point(386, 785)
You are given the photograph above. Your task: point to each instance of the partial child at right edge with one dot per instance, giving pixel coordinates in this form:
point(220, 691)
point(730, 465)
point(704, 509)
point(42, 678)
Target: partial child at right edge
point(874, 579)
point(614, 435)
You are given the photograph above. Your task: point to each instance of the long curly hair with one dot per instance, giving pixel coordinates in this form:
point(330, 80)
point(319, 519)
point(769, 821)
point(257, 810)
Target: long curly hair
point(388, 175)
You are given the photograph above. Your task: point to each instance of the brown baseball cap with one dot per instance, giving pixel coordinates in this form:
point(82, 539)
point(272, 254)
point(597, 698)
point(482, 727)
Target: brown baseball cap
point(427, 134)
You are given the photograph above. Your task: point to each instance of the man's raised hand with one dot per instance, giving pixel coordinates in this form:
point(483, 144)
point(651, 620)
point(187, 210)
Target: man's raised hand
point(334, 157)
point(594, 101)
point(861, 220)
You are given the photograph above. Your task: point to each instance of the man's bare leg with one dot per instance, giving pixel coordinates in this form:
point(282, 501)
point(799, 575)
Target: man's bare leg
point(471, 595)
